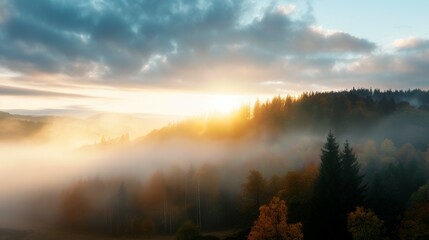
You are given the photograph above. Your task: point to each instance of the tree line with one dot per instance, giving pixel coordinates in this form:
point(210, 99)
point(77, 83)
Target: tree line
point(374, 181)
point(334, 198)
point(356, 111)
point(341, 204)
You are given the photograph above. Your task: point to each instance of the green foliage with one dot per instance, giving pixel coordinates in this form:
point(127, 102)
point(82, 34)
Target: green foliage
point(353, 189)
point(188, 231)
point(364, 224)
point(393, 184)
point(327, 200)
point(338, 190)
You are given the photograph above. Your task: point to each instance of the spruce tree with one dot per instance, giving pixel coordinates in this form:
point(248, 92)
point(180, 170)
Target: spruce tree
point(327, 214)
point(353, 189)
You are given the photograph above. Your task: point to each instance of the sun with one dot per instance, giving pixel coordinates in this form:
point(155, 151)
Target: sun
point(224, 103)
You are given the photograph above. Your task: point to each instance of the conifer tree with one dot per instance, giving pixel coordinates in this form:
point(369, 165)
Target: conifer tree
point(353, 189)
point(338, 191)
point(327, 214)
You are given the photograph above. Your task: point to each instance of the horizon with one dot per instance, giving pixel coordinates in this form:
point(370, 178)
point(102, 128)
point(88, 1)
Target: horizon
point(178, 117)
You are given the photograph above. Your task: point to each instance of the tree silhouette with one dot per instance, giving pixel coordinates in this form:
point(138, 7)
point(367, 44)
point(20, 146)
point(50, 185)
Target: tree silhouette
point(337, 191)
point(254, 193)
point(353, 189)
point(327, 193)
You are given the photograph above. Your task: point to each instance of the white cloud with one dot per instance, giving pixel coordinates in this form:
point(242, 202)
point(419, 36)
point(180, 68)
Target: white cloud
point(286, 9)
point(7, 73)
point(322, 31)
point(411, 43)
point(270, 83)
point(153, 62)
point(97, 70)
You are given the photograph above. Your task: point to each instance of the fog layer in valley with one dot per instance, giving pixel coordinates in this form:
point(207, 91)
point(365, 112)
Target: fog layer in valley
point(28, 171)
point(200, 168)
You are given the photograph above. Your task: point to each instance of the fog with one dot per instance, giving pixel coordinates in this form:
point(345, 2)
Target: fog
point(32, 168)
point(78, 175)
point(73, 132)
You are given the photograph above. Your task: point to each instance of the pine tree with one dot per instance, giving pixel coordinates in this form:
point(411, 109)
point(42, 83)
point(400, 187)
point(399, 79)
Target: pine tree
point(327, 194)
point(353, 189)
point(338, 191)
point(328, 184)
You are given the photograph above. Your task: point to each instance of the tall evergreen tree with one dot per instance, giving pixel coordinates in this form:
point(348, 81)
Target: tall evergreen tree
point(353, 189)
point(254, 194)
point(327, 215)
point(338, 190)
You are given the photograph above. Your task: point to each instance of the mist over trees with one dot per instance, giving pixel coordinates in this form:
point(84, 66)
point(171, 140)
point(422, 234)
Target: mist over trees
point(361, 172)
point(357, 113)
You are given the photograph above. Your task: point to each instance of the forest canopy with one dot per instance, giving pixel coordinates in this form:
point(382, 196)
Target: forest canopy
point(349, 159)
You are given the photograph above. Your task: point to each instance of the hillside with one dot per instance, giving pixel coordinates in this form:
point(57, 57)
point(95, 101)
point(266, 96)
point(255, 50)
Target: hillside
point(358, 113)
point(76, 131)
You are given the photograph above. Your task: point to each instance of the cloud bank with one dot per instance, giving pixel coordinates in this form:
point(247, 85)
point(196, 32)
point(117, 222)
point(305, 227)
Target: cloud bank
point(197, 44)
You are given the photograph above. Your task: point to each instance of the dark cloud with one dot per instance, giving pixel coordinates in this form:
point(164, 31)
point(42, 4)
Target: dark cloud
point(168, 43)
point(398, 70)
point(66, 111)
point(15, 91)
point(313, 41)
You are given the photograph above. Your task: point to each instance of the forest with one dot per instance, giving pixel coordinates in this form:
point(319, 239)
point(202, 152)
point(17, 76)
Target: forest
point(350, 164)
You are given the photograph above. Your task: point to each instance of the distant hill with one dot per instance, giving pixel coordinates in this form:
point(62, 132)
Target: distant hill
point(16, 126)
point(76, 131)
point(360, 113)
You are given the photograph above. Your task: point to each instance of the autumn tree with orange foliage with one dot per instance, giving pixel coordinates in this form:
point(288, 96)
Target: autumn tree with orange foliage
point(272, 223)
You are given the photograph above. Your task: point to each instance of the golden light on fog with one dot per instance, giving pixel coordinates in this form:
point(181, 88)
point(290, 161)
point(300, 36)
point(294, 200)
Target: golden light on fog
point(95, 99)
point(225, 103)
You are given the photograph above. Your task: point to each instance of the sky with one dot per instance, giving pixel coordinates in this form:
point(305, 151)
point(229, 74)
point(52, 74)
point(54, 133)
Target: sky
point(190, 57)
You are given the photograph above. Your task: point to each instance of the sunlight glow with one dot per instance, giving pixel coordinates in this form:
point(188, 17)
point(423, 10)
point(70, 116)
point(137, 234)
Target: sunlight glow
point(93, 99)
point(225, 103)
